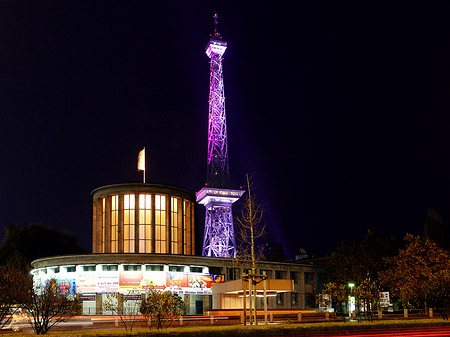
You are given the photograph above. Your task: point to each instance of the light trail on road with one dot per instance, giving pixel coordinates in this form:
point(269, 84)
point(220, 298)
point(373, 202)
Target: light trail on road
point(434, 331)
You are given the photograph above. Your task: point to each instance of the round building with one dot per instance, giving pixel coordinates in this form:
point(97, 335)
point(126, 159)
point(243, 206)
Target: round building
point(143, 236)
point(143, 218)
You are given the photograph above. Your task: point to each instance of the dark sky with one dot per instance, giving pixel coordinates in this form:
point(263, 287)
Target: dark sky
point(341, 109)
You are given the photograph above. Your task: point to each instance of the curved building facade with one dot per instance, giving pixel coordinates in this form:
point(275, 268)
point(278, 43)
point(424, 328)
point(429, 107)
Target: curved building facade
point(142, 235)
point(143, 218)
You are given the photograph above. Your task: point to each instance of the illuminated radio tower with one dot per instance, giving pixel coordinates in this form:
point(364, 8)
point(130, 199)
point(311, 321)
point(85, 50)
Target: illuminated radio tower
point(217, 197)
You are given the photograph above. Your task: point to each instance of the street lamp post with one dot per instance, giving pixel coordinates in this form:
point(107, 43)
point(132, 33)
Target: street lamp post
point(351, 301)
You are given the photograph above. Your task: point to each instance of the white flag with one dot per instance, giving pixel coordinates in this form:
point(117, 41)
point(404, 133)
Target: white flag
point(141, 160)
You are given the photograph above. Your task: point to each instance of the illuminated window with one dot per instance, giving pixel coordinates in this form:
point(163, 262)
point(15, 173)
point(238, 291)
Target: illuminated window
point(128, 223)
point(145, 220)
point(174, 226)
point(114, 223)
point(160, 224)
point(103, 235)
point(184, 228)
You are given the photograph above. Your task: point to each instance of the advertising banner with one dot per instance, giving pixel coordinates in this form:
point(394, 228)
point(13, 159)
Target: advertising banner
point(176, 281)
point(87, 283)
point(384, 299)
point(67, 286)
point(130, 279)
point(157, 279)
point(108, 283)
point(123, 281)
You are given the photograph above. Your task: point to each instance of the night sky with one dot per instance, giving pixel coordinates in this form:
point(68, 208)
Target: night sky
point(340, 109)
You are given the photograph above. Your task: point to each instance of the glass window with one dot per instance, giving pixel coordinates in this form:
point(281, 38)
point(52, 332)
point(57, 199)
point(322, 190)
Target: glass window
point(215, 270)
point(280, 298)
point(88, 268)
point(309, 278)
point(160, 224)
point(184, 229)
point(132, 267)
point(145, 220)
point(103, 220)
point(110, 267)
point(294, 299)
point(279, 274)
point(233, 274)
point(154, 267)
point(196, 269)
point(174, 225)
point(128, 223)
point(294, 277)
point(71, 269)
point(114, 223)
point(309, 302)
point(176, 268)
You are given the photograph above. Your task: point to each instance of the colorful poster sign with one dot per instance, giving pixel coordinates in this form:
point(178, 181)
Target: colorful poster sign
point(205, 280)
point(123, 281)
point(176, 281)
point(87, 283)
point(67, 286)
point(130, 279)
point(108, 283)
point(384, 299)
point(156, 279)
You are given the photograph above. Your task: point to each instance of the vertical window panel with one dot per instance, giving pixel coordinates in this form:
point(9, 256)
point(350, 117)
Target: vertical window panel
point(174, 224)
point(114, 223)
point(128, 223)
point(184, 228)
point(103, 220)
point(160, 224)
point(145, 220)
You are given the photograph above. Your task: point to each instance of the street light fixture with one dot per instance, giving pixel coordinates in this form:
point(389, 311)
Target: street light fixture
point(351, 301)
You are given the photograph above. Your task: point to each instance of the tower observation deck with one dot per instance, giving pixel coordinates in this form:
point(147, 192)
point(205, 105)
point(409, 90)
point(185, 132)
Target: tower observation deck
point(219, 240)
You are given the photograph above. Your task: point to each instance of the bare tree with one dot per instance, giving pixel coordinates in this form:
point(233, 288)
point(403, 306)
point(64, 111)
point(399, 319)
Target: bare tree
point(48, 307)
point(126, 306)
point(13, 289)
point(251, 230)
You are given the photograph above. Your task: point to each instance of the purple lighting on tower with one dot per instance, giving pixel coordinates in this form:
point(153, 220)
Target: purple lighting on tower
point(219, 230)
point(218, 172)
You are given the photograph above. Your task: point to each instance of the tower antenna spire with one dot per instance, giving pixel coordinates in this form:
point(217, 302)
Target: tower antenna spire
point(216, 22)
point(217, 197)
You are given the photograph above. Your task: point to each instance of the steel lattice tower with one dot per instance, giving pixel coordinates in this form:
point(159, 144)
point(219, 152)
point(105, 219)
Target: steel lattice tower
point(217, 198)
